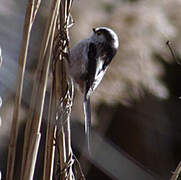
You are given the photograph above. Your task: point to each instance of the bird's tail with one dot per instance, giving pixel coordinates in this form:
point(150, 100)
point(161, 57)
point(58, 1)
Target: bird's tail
point(87, 113)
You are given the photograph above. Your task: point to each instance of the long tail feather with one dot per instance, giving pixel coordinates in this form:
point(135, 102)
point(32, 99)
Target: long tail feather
point(87, 113)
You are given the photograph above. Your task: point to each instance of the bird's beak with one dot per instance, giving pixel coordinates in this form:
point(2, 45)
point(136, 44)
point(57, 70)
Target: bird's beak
point(94, 30)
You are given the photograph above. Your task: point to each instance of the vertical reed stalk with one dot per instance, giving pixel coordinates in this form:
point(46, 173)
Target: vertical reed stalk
point(50, 133)
point(50, 136)
point(64, 155)
point(31, 12)
point(32, 131)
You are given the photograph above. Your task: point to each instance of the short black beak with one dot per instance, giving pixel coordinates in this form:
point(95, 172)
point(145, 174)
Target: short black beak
point(94, 30)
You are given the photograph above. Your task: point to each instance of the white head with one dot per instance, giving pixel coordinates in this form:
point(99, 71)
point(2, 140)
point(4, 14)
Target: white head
point(104, 34)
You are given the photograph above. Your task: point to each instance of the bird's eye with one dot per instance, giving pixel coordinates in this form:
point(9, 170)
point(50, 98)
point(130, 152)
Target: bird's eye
point(98, 33)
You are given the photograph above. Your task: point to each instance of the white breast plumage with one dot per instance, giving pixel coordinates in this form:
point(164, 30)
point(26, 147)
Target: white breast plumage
point(99, 73)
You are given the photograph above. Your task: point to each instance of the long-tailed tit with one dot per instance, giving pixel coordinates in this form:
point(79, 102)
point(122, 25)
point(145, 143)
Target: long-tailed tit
point(88, 62)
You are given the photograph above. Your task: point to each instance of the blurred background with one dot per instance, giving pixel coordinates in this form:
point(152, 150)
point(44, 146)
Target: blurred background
point(136, 108)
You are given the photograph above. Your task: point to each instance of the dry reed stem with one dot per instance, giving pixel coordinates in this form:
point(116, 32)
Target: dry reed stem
point(29, 18)
point(36, 7)
point(38, 96)
point(177, 172)
point(49, 146)
point(63, 138)
point(60, 157)
point(50, 134)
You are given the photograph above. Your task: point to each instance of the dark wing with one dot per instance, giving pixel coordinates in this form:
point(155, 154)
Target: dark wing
point(92, 53)
point(92, 63)
point(109, 54)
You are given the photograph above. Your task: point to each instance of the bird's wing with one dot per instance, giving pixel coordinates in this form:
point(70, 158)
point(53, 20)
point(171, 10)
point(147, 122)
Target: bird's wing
point(108, 56)
point(96, 68)
point(91, 70)
point(91, 66)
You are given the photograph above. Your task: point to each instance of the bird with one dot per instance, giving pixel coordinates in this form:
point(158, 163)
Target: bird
point(88, 62)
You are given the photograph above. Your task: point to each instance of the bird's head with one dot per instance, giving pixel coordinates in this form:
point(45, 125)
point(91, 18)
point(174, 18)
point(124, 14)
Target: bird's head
point(107, 35)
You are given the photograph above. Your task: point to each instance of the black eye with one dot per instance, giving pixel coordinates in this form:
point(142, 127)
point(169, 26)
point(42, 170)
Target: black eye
point(98, 33)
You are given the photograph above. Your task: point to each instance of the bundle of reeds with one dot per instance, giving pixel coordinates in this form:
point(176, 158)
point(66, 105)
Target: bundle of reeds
point(58, 158)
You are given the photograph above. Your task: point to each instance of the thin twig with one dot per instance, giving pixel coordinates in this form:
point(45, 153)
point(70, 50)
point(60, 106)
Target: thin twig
point(172, 52)
point(177, 172)
point(36, 7)
point(78, 169)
